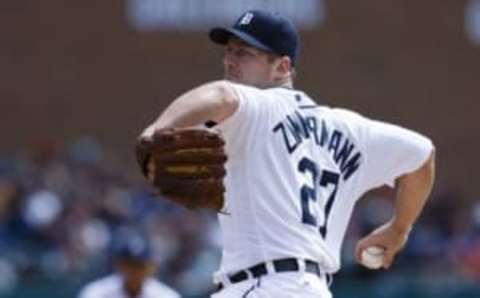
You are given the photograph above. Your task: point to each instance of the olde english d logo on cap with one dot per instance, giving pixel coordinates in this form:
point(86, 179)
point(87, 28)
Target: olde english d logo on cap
point(246, 19)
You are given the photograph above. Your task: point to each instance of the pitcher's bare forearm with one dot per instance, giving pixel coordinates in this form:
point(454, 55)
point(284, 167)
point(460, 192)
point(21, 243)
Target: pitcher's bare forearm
point(413, 191)
point(213, 101)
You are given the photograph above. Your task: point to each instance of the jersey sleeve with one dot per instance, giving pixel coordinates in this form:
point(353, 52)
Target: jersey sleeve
point(392, 151)
point(86, 292)
point(248, 106)
point(240, 128)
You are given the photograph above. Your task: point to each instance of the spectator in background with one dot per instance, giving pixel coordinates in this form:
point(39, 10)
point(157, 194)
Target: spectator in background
point(472, 21)
point(133, 278)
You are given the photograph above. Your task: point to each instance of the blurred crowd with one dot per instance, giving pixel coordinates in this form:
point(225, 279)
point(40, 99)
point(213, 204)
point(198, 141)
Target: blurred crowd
point(60, 206)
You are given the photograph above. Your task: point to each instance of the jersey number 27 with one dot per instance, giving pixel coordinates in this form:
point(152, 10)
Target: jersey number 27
point(307, 192)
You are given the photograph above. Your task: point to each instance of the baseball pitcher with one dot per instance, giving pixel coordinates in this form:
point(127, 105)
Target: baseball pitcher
point(283, 171)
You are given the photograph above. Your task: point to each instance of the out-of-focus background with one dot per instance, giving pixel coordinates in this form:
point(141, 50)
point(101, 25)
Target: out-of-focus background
point(80, 79)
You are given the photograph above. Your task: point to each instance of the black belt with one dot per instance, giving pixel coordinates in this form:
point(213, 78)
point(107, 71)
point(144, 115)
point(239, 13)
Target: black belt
point(282, 265)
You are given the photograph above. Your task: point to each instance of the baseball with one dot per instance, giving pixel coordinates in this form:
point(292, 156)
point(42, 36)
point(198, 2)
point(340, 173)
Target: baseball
point(372, 257)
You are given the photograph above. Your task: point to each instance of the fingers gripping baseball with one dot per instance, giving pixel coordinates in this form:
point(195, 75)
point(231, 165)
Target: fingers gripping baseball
point(151, 169)
point(386, 237)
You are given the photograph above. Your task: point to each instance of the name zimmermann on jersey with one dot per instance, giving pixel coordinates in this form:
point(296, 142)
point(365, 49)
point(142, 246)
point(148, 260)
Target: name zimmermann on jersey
point(296, 128)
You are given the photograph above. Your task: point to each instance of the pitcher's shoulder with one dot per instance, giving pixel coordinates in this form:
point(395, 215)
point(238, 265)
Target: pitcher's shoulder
point(159, 289)
point(102, 286)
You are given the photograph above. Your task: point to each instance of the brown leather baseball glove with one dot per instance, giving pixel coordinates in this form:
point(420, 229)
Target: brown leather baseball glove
point(186, 166)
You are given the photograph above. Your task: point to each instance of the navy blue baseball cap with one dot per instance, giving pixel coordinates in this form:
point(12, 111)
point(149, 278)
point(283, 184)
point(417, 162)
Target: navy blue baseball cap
point(132, 246)
point(263, 30)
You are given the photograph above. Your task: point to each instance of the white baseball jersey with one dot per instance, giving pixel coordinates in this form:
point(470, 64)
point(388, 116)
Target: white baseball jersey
point(295, 171)
point(112, 286)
